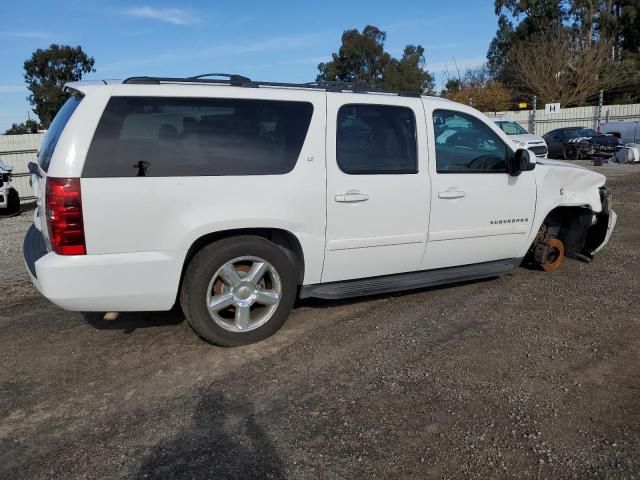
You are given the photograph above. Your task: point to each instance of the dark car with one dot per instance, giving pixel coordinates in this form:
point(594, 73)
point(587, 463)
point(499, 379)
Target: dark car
point(573, 143)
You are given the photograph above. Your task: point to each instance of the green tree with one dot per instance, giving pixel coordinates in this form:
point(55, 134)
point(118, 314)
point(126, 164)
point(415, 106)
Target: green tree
point(362, 59)
point(30, 126)
point(47, 71)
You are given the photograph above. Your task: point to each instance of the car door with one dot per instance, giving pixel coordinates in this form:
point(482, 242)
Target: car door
point(479, 213)
point(555, 142)
point(377, 186)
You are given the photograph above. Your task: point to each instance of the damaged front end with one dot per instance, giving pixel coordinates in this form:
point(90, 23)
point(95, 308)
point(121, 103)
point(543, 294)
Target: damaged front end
point(573, 232)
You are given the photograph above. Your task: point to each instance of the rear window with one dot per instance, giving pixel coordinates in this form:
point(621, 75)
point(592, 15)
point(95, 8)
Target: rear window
point(55, 130)
point(161, 137)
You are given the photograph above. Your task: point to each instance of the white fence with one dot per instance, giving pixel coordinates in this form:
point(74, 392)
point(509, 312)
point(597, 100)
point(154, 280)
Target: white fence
point(19, 150)
point(543, 122)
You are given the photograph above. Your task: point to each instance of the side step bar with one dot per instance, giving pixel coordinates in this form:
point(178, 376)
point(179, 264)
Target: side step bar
point(408, 281)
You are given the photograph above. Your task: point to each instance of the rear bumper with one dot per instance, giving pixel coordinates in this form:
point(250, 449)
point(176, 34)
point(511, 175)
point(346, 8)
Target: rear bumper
point(142, 281)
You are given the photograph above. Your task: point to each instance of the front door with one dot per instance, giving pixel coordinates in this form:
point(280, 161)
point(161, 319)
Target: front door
point(479, 212)
point(377, 186)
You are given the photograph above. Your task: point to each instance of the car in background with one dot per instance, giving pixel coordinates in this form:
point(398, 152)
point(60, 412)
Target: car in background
point(522, 138)
point(627, 132)
point(9, 197)
point(575, 143)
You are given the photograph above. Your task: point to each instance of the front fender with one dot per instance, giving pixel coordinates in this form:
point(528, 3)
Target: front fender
point(561, 184)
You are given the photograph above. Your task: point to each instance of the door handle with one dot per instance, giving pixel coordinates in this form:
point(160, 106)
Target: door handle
point(452, 193)
point(352, 196)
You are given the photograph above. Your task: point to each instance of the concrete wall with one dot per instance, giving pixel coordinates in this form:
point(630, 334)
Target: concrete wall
point(19, 150)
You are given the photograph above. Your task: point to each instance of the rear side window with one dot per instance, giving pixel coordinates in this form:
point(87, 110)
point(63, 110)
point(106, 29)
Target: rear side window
point(50, 140)
point(376, 139)
point(162, 137)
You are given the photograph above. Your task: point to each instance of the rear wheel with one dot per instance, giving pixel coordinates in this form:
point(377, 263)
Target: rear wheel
point(238, 290)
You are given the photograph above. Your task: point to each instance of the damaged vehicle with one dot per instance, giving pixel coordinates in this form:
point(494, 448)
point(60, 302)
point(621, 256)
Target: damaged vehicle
point(578, 143)
point(9, 197)
point(234, 197)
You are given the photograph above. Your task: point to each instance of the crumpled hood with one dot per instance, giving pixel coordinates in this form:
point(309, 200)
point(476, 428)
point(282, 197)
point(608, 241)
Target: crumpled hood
point(563, 183)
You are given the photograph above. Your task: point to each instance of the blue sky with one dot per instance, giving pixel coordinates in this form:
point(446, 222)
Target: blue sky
point(265, 40)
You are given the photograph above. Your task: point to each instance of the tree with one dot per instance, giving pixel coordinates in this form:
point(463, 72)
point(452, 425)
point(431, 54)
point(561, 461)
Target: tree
point(47, 71)
point(537, 16)
point(30, 126)
point(558, 67)
point(362, 59)
point(479, 89)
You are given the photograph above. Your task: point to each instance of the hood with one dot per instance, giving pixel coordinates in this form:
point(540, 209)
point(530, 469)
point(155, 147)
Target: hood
point(5, 168)
point(527, 137)
point(597, 139)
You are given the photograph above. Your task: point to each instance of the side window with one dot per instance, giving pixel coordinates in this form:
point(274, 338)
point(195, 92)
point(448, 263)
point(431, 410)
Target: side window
point(376, 139)
point(161, 137)
point(465, 144)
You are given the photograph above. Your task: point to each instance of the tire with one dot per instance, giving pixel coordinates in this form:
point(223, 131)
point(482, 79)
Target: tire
point(210, 280)
point(569, 152)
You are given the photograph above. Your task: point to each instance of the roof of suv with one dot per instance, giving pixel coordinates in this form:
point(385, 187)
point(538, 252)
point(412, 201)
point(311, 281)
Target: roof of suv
point(241, 81)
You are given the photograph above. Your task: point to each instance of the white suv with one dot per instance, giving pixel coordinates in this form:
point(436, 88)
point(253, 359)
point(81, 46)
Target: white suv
point(521, 138)
point(234, 197)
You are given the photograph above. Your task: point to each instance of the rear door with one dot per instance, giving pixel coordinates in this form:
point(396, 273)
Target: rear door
point(377, 185)
point(479, 213)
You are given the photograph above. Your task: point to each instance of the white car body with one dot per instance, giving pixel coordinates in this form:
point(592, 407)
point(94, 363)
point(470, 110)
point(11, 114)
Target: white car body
point(139, 232)
point(526, 140)
point(5, 185)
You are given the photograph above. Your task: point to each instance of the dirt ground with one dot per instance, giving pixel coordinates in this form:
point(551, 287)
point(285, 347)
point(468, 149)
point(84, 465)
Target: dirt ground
point(531, 375)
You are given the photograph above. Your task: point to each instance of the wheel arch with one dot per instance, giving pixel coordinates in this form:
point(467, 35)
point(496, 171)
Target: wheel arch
point(285, 239)
point(570, 224)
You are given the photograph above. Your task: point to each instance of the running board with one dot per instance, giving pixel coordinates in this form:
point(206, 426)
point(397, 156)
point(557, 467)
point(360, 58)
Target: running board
point(408, 281)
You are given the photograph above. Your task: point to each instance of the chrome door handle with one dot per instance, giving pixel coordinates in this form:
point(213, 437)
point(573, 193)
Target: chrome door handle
point(352, 196)
point(452, 193)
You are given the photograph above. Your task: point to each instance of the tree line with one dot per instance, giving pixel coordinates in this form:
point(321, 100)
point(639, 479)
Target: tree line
point(557, 50)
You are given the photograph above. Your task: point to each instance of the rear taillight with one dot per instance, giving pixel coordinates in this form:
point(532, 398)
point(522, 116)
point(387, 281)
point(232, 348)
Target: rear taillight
point(64, 216)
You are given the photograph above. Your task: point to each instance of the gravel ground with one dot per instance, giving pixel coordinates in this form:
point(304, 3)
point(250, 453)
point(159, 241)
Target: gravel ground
point(531, 375)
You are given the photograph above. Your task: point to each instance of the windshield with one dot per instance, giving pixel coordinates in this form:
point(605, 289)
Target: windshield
point(580, 132)
point(511, 128)
point(55, 130)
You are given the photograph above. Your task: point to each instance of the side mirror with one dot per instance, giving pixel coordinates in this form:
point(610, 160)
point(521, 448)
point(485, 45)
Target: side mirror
point(520, 162)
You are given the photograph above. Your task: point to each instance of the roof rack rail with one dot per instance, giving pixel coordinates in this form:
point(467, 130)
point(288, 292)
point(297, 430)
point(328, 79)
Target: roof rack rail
point(242, 81)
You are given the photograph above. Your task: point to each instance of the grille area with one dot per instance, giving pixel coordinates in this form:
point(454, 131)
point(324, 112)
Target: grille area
point(539, 150)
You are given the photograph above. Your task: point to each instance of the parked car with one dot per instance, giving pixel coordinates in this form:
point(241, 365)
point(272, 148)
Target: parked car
point(574, 143)
point(9, 197)
point(521, 138)
point(234, 197)
point(627, 132)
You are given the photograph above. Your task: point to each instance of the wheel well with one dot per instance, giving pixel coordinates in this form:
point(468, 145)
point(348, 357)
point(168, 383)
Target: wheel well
point(283, 238)
point(570, 225)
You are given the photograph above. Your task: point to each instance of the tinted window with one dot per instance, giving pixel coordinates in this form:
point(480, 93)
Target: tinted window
point(466, 144)
point(376, 139)
point(160, 137)
point(50, 140)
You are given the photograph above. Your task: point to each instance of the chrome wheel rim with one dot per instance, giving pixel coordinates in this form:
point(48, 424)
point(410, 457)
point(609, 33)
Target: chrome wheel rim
point(244, 294)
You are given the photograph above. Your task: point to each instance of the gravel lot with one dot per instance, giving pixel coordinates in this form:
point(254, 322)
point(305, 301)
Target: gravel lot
point(532, 375)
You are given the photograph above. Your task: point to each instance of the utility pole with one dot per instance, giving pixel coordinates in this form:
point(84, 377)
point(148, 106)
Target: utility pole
point(600, 102)
point(533, 113)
